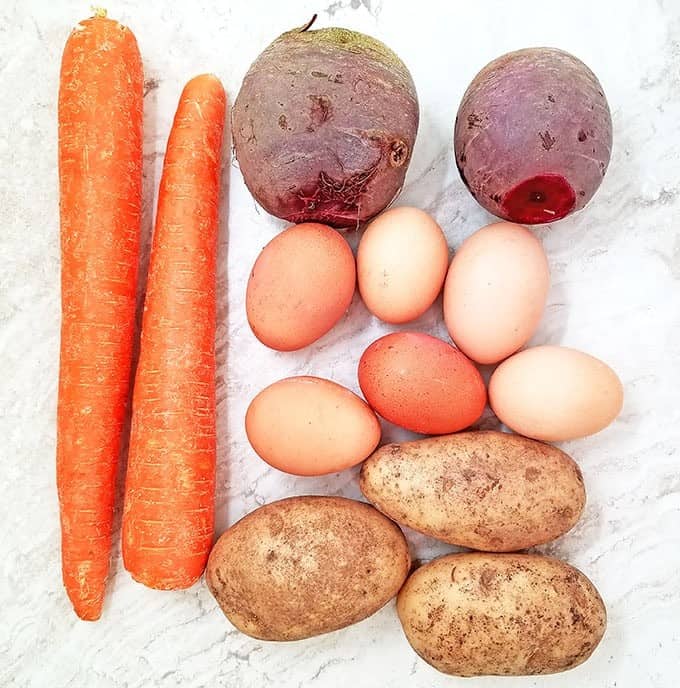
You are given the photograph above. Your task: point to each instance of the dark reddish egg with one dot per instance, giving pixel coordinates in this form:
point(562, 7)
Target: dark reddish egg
point(421, 383)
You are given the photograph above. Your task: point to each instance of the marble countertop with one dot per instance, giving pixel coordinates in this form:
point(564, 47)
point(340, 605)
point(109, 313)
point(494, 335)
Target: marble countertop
point(615, 293)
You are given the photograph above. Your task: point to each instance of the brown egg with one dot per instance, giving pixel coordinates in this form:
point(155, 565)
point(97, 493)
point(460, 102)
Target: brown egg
point(495, 291)
point(300, 286)
point(401, 264)
point(311, 426)
point(421, 383)
point(553, 393)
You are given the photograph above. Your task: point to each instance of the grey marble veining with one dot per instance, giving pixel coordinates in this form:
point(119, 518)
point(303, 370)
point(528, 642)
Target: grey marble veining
point(615, 293)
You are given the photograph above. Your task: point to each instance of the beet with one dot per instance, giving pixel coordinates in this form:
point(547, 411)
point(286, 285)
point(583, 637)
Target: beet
point(533, 136)
point(324, 126)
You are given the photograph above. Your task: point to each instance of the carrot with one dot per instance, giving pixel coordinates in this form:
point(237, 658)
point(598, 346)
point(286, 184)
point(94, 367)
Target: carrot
point(168, 516)
point(100, 178)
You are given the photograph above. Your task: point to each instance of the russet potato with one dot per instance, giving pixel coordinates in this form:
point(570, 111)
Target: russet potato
point(481, 614)
point(304, 566)
point(490, 491)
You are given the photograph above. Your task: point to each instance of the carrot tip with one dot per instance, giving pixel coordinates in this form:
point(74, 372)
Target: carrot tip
point(87, 610)
point(89, 614)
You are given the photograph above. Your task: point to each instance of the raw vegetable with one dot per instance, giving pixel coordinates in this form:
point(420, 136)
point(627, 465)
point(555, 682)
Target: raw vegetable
point(501, 614)
point(490, 491)
point(324, 126)
point(100, 180)
point(533, 135)
point(169, 492)
point(304, 566)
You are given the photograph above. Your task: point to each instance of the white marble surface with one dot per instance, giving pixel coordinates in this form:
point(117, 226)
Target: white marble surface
point(615, 293)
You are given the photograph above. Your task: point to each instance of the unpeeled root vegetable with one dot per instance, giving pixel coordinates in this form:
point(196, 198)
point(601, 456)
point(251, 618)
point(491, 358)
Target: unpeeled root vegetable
point(491, 491)
point(168, 515)
point(478, 614)
point(303, 566)
point(100, 179)
point(324, 126)
point(533, 135)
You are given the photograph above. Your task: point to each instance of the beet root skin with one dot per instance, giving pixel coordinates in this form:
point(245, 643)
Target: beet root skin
point(533, 136)
point(324, 125)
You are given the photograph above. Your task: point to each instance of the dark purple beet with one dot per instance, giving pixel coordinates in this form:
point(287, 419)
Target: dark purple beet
point(533, 135)
point(324, 126)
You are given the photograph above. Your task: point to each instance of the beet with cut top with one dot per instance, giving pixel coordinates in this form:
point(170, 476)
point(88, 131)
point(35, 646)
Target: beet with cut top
point(324, 126)
point(533, 136)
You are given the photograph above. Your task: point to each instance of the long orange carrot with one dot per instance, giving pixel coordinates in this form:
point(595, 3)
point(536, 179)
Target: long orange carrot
point(168, 517)
point(100, 174)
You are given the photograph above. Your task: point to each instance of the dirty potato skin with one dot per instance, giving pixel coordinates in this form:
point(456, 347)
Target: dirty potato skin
point(486, 490)
point(324, 125)
point(304, 566)
point(482, 614)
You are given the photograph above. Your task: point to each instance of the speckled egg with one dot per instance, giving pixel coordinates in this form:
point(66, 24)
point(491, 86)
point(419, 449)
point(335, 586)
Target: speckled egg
point(401, 264)
point(300, 286)
point(311, 426)
point(421, 383)
point(495, 291)
point(553, 393)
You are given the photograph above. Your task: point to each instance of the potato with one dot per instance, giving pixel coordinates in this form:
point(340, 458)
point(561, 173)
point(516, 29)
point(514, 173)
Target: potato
point(303, 566)
point(485, 490)
point(533, 135)
point(324, 126)
point(481, 614)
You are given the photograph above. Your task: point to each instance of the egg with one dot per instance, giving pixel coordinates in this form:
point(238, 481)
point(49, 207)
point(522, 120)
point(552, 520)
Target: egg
point(311, 426)
point(300, 286)
point(495, 291)
point(401, 264)
point(553, 393)
point(421, 383)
